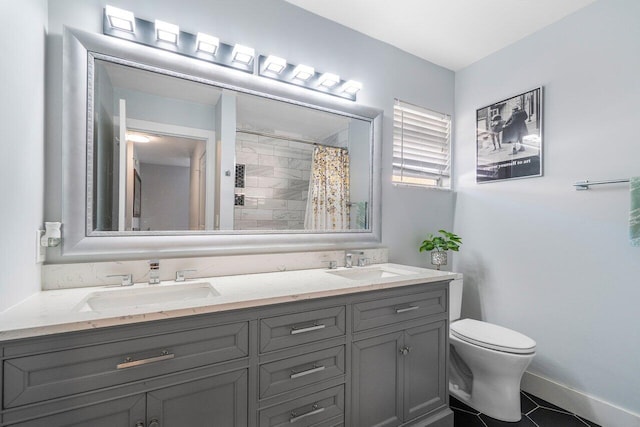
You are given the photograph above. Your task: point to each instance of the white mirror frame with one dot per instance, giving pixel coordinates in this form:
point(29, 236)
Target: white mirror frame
point(77, 142)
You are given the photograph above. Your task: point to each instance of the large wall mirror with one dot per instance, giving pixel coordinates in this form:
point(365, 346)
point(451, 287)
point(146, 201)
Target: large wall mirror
point(182, 156)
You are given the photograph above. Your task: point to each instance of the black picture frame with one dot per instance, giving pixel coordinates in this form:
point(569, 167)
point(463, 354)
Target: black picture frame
point(509, 138)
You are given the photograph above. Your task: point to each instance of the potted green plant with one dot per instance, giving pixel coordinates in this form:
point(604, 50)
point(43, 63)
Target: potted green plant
point(439, 245)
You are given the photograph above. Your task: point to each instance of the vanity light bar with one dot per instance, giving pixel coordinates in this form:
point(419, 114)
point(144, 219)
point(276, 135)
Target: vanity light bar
point(303, 72)
point(307, 77)
point(242, 54)
point(120, 19)
point(169, 37)
point(328, 80)
point(123, 24)
point(274, 64)
point(207, 44)
point(352, 87)
point(167, 32)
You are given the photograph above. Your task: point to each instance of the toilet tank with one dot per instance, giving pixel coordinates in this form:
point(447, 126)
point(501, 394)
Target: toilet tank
point(455, 299)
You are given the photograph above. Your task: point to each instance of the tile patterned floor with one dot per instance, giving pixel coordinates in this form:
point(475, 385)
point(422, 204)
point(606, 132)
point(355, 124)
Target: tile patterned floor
point(535, 413)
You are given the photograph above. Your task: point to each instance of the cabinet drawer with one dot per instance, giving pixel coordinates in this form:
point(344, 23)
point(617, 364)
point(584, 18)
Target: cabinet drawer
point(372, 314)
point(322, 409)
point(301, 328)
point(299, 371)
point(61, 373)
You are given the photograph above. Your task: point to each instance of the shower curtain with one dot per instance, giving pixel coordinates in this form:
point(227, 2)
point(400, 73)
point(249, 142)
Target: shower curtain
point(328, 200)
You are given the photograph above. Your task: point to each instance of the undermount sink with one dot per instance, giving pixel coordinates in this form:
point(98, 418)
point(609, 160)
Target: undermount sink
point(371, 273)
point(148, 295)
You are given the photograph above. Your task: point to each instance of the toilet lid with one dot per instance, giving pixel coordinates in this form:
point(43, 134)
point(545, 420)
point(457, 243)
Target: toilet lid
point(492, 336)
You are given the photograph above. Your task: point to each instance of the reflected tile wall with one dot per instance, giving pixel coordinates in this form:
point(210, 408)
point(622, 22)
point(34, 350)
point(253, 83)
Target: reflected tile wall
point(276, 183)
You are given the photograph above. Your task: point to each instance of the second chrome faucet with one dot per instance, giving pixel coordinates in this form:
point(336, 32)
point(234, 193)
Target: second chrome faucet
point(181, 275)
point(348, 258)
point(154, 272)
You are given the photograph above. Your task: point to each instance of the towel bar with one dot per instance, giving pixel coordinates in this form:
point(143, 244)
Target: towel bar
point(584, 185)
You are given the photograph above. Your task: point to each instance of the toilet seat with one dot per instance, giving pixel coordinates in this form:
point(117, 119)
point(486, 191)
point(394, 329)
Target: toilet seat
point(492, 336)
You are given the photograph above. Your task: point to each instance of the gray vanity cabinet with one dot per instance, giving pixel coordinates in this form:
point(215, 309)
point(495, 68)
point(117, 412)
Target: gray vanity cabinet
point(399, 359)
point(425, 384)
point(170, 371)
point(377, 381)
point(220, 400)
point(374, 358)
point(399, 376)
point(125, 412)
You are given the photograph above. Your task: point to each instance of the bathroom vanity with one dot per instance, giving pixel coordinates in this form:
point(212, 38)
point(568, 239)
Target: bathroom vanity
point(346, 348)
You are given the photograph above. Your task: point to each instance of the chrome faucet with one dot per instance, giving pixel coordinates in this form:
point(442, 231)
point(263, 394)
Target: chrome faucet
point(348, 258)
point(154, 272)
point(181, 275)
point(127, 279)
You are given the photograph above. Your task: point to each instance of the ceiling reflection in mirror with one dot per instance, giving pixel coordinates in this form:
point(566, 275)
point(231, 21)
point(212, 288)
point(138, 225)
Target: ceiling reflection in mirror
point(176, 155)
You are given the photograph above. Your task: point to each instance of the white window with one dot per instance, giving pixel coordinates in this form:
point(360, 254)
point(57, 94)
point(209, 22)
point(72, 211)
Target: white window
point(421, 146)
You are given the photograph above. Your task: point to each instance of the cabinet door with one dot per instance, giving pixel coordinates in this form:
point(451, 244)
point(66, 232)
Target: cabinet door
point(424, 369)
point(219, 401)
point(377, 381)
point(125, 412)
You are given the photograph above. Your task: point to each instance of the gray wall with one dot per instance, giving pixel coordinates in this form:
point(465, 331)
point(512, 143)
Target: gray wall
point(23, 27)
point(538, 256)
point(276, 27)
point(165, 197)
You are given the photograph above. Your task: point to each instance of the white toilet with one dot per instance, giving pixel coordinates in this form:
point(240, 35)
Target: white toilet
point(486, 362)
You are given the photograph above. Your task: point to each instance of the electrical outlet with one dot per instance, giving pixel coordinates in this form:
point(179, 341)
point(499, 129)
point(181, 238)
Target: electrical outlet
point(41, 251)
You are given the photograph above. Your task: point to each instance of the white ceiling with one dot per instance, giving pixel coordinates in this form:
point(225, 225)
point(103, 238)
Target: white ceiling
point(255, 113)
point(450, 33)
point(166, 150)
point(159, 84)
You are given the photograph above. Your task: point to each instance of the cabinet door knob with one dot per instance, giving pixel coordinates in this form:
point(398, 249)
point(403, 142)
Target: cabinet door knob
point(139, 424)
point(405, 350)
point(154, 423)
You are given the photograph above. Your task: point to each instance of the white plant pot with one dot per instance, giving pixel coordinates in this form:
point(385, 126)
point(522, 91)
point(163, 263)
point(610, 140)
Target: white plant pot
point(438, 258)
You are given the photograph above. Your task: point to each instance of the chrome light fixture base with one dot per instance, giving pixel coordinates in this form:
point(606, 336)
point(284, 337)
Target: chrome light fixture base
point(287, 75)
point(187, 44)
point(161, 35)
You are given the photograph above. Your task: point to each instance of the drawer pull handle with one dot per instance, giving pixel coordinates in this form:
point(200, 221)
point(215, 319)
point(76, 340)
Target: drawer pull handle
point(314, 410)
point(313, 370)
point(130, 363)
point(315, 327)
point(406, 309)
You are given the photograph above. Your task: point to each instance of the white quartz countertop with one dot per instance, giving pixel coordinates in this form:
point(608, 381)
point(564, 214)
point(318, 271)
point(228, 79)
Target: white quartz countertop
point(57, 311)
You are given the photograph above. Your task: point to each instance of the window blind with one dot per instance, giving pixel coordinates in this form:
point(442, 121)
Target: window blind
point(421, 146)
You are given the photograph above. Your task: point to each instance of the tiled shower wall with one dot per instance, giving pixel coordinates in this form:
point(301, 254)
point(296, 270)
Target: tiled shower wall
point(276, 183)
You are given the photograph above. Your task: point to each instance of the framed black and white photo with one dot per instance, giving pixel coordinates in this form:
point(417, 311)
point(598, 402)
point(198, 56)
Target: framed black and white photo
point(509, 138)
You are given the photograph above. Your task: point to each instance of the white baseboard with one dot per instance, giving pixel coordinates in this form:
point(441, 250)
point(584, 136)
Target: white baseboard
point(584, 405)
